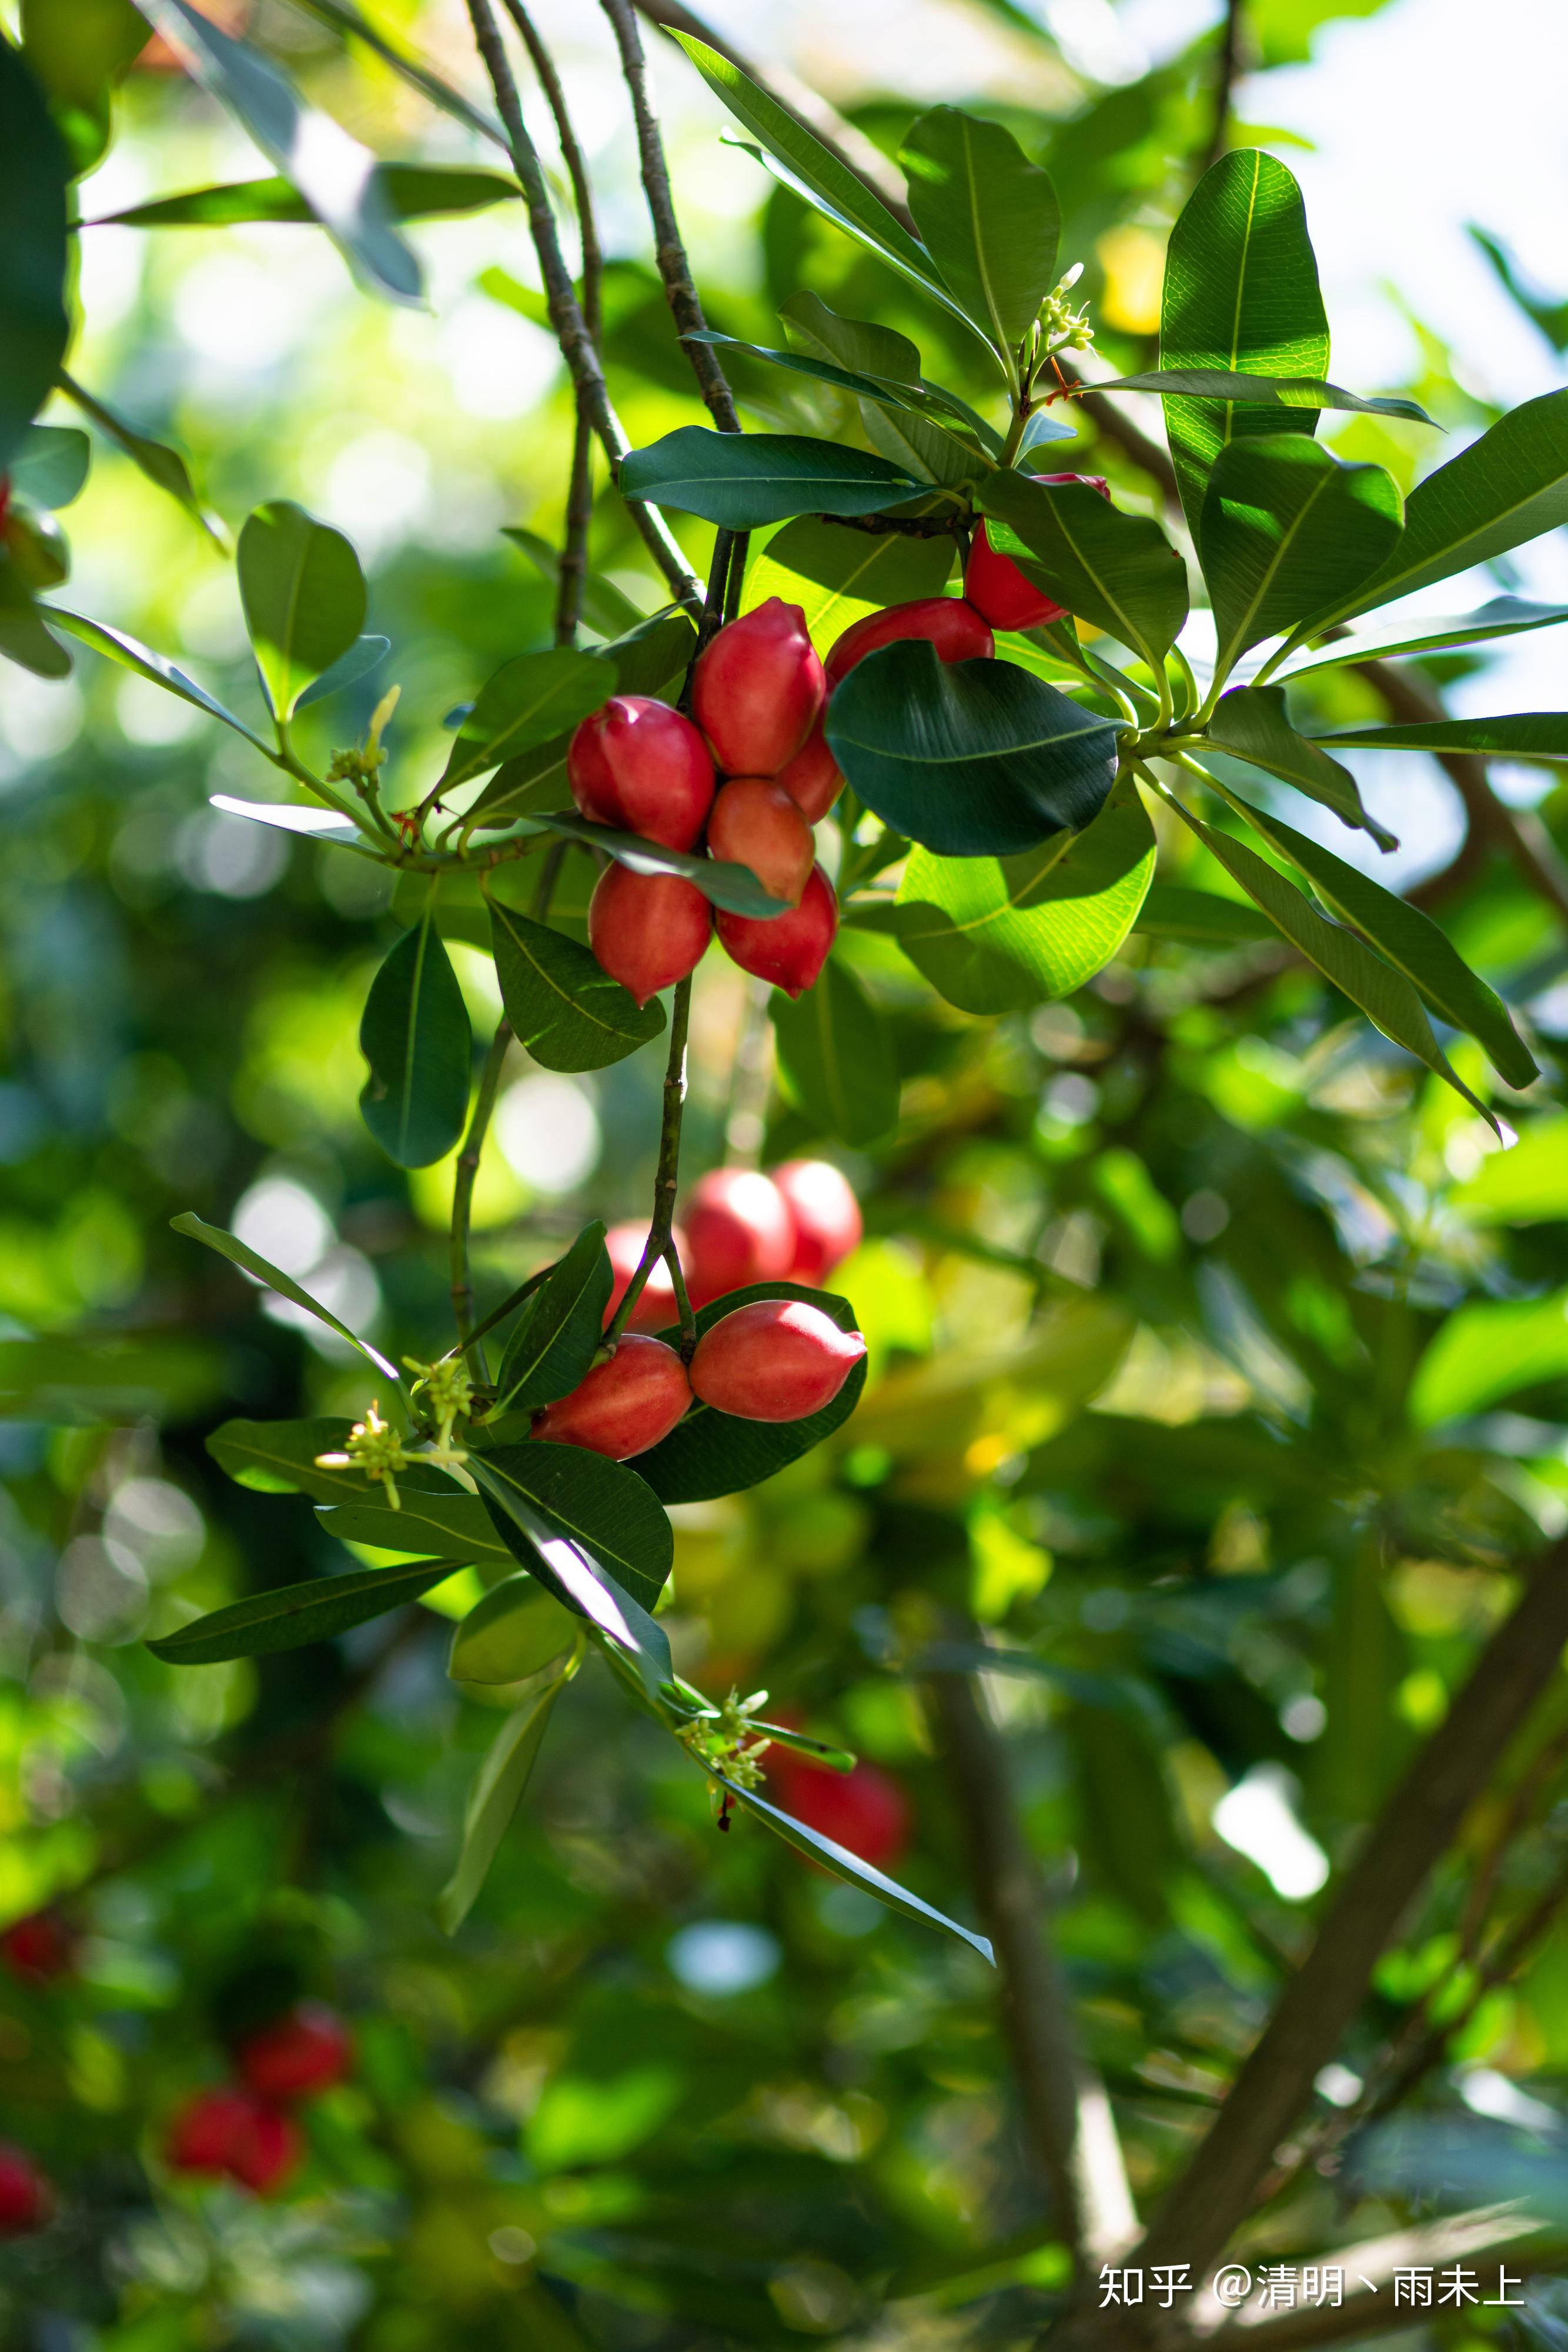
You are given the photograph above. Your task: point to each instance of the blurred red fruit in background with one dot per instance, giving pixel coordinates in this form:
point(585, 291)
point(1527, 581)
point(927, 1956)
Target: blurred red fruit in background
point(738, 1230)
point(656, 1309)
point(825, 1213)
point(232, 2131)
point(40, 1947)
point(865, 1810)
point(26, 2199)
point(308, 2049)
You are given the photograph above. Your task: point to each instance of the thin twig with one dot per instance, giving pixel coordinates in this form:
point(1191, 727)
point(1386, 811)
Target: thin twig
point(467, 1169)
point(659, 1244)
point(1229, 65)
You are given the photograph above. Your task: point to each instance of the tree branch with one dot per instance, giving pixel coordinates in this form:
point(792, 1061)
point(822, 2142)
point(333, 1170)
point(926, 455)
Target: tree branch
point(1066, 2112)
point(1229, 66)
point(660, 1244)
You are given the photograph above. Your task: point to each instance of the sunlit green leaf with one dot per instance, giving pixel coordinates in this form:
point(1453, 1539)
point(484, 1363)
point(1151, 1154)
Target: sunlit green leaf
point(562, 1004)
point(1489, 1349)
point(742, 480)
point(988, 217)
point(1251, 722)
point(417, 1037)
point(513, 1631)
point(304, 598)
point(495, 1798)
point(297, 1614)
point(1286, 528)
point(228, 1245)
point(530, 699)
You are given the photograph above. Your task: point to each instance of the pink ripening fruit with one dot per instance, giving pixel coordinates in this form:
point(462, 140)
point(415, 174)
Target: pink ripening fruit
point(777, 1359)
point(655, 1308)
point(622, 1406)
point(757, 823)
point(813, 778)
point(638, 765)
point(996, 587)
point(738, 1230)
point(648, 930)
point(758, 688)
point(788, 949)
point(954, 628)
point(825, 1215)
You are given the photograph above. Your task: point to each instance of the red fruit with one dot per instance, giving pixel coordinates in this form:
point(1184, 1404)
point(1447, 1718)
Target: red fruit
point(625, 1405)
point(955, 628)
point(656, 1309)
point(308, 2049)
point(757, 823)
point(739, 1231)
point(648, 930)
point(39, 1946)
point(996, 587)
point(826, 1215)
point(865, 1810)
point(639, 764)
point(27, 2200)
point(812, 778)
point(234, 2132)
point(789, 950)
point(758, 690)
point(777, 1359)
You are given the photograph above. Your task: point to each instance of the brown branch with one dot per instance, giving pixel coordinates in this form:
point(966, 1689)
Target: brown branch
point(660, 1242)
point(1321, 2000)
point(1066, 2113)
point(1229, 66)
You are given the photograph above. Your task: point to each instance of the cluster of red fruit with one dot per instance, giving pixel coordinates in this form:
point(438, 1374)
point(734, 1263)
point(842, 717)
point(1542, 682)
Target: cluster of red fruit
point(244, 2130)
point(38, 1949)
point(755, 773)
point(777, 1359)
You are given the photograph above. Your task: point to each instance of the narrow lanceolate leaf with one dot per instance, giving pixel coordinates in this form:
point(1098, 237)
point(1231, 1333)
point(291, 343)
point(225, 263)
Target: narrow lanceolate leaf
point(974, 759)
point(273, 1278)
point(1508, 487)
point(1242, 296)
point(989, 219)
point(888, 393)
point(155, 667)
point(1174, 911)
point(858, 344)
point(1500, 616)
point(742, 480)
point(304, 598)
point(417, 1037)
point(603, 1508)
point(1286, 528)
point(530, 699)
point(1264, 391)
point(279, 1457)
point(162, 466)
point(34, 170)
point(1384, 995)
point(413, 192)
point(1411, 941)
point(718, 878)
point(837, 1057)
point(443, 1524)
point(997, 934)
point(289, 816)
point(297, 1614)
point(515, 1630)
point(554, 1339)
point(564, 1560)
point(495, 1797)
point(561, 1004)
point(1117, 571)
point(1251, 722)
point(338, 179)
point(1513, 735)
point(844, 1865)
point(838, 576)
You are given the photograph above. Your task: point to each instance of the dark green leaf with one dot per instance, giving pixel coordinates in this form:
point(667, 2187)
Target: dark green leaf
point(563, 1006)
point(858, 344)
point(896, 394)
point(515, 1630)
point(1174, 911)
point(529, 700)
point(992, 934)
point(347, 670)
point(162, 466)
point(606, 1507)
point(726, 884)
point(1240, 295)
point(1267, 391)
point(1502, 616)
point(1118, 571)
point(33, 171)
point(35, 547)
point(711, 1452)
point(1285, 529)
point(279, 1457)
point(974, 759)
point(51, 465)
point(493, 1799)
point(304, 598)
point(24, 638)
point(297, 1614)
point(837, 1057)
point(1514, 735)
point(273, 1278)
point(742, 480)
point(413, 192)
point(989, 219)
point(837, 576)
point(80, 49)
point(555, 1338)
point(338, 179)
point(155, 667)
point(649, 654)
point(1251, 722)
point(434, 1520)
point(417, 1037)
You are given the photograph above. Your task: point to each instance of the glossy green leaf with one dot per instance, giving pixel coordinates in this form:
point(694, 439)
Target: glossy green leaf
point(24, 638)
point(858, 344)
point(116, 646)
point(992, 934)
point(974, 759)
point(1509, 486)
point(649, 658)
point(1229, 385)
point(1513, 735)
point(555, 1338)
point(1500, 616)
point(1487, 1350)
point(726, 884)
point(1118, 571)
point(1285, 529)
point(279, 1457)
point(79, 50)
point(493, 1799)
point(34, 170)
point(928, 402)
point(304, 598)
point(413, 192)
point(650, 653)
point(1251, 722)
point(1173, 910)
point(988, 218)
point(338, 179)
point(1411, 941)
point(296, 1613)
point(417, 1037)
point(837, 576)
point(921, 446)
point(1240, 295)
point(742, 480)
point(829, 1855)
point(836, 1056)
point(347, 670)
point(162, 466)
point(307, 823)
point(515, 1630)
point(529, 700)
point(433, 1518)
point(273, 1278)
point(561, 1004)
point(712, 1452)
point(604, 1507)
point(50, 466)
